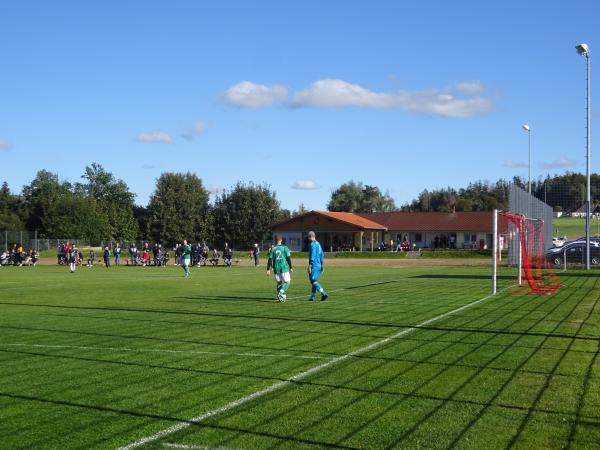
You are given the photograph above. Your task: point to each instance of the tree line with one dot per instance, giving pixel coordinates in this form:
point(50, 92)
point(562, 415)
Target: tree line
point(101, 207)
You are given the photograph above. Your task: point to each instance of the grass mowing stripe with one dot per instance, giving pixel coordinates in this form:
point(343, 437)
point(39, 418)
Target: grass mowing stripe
point(159, 350)
point(234, 404)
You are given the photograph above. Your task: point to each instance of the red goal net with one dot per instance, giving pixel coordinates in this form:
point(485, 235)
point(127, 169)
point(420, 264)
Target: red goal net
point(540, 277)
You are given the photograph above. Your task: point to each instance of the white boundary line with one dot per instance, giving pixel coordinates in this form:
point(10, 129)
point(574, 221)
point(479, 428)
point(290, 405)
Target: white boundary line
point(158, 350)
point(193, 447)
point(281, 384)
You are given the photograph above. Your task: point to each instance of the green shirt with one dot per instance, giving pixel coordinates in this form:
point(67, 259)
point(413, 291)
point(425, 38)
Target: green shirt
point(187, 251)
point(279, 255)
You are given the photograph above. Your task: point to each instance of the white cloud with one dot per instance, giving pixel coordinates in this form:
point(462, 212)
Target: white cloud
point(469, 87)
point(330, 93)
point(250, 95)
point(197, 129)
point(514, 164)
point(154, 137)
point(6, 146)
point(305, 185)
point(559, 164)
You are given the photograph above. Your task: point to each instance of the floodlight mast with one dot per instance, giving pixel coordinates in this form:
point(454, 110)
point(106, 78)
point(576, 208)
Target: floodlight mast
point(584, 50)
point(528, 129)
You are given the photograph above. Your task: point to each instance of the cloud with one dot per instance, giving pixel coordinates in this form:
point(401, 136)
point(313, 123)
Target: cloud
point(6, 146)
point(250, 95)
point(154, 137)
point(469, 87)
point(197, 129)
point(559, 164)
point(305, 185)
point(148, 166)
point(514, 164)
point(331, 93)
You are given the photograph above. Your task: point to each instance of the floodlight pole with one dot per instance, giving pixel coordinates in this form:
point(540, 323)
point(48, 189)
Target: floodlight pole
point(494, 250)
point(529, 147)
point(587, 165)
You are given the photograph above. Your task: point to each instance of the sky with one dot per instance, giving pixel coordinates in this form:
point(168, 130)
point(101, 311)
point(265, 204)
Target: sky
point(303, 96)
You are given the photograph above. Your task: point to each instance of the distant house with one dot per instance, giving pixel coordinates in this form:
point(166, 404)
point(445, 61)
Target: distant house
point(366, 231)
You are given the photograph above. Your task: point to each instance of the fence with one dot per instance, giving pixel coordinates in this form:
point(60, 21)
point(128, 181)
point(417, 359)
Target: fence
point(521, 202)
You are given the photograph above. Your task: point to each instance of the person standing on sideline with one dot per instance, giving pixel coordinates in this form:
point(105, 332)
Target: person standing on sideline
point(315, 267)
point(227, 255)
point(117, 252)
point(255, 254)
point(281, 261)
point(186, 256)
point(106, 256)
point(73, 253)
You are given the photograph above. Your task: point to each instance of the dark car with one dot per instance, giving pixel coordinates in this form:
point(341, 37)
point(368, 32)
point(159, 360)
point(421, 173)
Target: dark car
point(575, 252)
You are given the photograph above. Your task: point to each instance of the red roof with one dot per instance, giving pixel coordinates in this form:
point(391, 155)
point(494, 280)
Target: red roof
point(411, 221)
point(434, 221)
point(354, 219)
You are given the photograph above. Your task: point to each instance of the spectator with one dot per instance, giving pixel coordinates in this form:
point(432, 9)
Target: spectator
point(227, 255)
point(91, 258)
point(106, 256)
point(255, 254)
point(146, 257)
point(133, 252)
point(117, 252)
point(215, 257)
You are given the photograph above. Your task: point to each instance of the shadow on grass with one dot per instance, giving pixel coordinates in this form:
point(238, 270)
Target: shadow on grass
point(108, 409)
point(463, 277)
point(230, 297)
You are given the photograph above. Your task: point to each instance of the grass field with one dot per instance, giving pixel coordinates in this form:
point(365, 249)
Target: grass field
point(104, 358)
point(574, 227)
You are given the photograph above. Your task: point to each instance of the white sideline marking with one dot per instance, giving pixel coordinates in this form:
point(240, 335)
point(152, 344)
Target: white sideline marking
point(194, 447)
point(274, 387)
point(159, 350)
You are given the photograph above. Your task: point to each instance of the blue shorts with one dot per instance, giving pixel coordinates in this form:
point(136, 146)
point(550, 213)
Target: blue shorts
point(314, 274)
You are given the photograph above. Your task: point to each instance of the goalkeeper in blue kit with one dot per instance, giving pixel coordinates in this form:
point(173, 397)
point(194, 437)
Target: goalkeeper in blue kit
point(281, 262)
point(315, 267)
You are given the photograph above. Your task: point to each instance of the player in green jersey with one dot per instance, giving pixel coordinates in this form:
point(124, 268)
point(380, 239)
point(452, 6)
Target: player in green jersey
point(186, 257)
point(281, 262)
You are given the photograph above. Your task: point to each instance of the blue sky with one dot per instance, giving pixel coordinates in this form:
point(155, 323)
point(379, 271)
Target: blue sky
point(301, 95)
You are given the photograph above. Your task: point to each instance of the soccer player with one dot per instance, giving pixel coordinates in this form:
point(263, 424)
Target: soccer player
point(73, 252)
point(315, 267)
point(281, 262)
point(186, 257)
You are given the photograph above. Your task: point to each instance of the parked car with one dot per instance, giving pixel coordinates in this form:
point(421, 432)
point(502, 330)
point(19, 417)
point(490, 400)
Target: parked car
point(575, 252)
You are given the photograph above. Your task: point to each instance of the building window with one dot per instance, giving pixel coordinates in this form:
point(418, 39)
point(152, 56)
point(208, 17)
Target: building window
point(418, 237)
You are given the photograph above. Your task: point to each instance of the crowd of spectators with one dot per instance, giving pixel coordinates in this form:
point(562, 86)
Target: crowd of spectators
point(17, 255)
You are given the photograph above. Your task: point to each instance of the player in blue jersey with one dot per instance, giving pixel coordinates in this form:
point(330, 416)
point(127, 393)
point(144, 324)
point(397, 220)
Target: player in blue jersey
point(315, 267)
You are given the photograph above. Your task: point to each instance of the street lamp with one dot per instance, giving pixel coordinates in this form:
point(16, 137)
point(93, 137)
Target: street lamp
point(584, 51)
point(528, 129)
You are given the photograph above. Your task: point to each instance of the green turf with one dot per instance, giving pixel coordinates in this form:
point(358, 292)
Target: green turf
point(574, 227)
point(103, 357)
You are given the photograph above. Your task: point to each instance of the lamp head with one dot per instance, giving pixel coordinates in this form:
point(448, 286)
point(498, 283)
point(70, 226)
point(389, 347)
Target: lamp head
point(526, 128)
point(583, 49)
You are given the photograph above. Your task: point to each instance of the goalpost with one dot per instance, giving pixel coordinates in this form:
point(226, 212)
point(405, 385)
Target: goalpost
point(531, 260)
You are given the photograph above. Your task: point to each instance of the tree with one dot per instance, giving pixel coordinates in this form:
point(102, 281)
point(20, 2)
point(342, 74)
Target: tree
point(42, 198)
point(245, 214)
point(114, 202)
point(347, 198)
point(354, 197)
point(9, 217)
point(178, 209)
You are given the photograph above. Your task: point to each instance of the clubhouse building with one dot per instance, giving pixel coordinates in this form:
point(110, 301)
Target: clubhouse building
point(340, 231)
